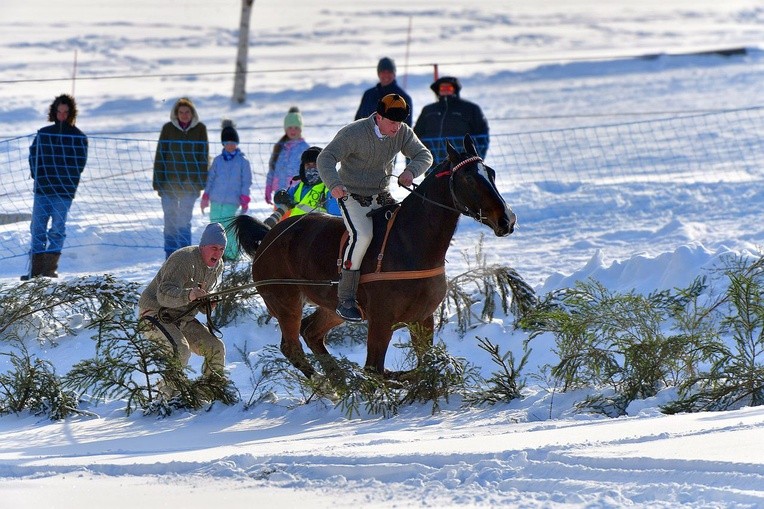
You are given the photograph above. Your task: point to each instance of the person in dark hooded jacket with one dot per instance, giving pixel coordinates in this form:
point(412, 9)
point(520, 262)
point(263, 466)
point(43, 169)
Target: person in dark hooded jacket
point(57, 158)
point(449, 119)
point(180, 171)
point(386, 73)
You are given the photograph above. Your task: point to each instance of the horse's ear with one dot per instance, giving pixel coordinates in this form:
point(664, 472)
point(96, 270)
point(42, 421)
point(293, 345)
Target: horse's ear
point(469, 145)
point(453, 154)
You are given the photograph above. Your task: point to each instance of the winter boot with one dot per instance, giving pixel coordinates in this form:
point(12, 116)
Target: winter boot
point(38, 266)
point(51, 264)
point(347, 307)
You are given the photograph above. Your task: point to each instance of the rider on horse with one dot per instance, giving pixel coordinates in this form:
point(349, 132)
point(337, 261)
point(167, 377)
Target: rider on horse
point(366, 150)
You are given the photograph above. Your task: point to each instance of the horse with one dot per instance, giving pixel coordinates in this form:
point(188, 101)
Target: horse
point(405, 287)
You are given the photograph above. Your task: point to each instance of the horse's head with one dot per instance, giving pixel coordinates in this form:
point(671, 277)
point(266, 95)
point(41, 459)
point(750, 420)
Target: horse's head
point(473, 189)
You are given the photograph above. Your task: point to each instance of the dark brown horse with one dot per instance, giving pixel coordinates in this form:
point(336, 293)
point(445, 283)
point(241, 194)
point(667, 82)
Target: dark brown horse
point(305, 249)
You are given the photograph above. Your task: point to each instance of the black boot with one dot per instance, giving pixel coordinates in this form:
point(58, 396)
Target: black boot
point(38, 266)
point(51, 264)
point(347, 307)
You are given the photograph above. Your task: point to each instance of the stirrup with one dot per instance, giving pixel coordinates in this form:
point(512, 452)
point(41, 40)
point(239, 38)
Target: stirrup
point(348, 311)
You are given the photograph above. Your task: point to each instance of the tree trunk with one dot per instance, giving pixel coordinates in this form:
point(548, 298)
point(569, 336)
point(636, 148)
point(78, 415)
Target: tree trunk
point(240, 79)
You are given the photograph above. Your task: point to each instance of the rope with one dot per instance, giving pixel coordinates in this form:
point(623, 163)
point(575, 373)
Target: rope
point(265, 282)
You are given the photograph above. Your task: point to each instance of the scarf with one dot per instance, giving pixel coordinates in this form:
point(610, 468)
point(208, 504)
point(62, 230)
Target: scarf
point(227, 156)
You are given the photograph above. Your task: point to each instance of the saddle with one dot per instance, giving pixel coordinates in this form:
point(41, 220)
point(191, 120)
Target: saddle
point(390, 212)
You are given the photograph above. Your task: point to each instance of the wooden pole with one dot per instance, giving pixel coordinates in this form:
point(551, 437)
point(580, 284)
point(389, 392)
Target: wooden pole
point(406, 62)
point(74, 72)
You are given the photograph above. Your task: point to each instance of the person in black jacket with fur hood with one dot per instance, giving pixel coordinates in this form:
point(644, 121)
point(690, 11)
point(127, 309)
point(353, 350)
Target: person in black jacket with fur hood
point(57, 158)
point(450, 118)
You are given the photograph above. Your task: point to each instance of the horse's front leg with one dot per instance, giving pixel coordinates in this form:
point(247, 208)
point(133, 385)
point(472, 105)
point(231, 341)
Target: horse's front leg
point(377, 343)
point(422, 333)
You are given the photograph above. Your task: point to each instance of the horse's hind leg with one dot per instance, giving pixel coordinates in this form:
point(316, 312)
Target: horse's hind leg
point(313, 329)
point(315, 326)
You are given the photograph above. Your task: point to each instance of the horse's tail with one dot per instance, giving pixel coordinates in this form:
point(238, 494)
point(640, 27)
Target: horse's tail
point(249, 233)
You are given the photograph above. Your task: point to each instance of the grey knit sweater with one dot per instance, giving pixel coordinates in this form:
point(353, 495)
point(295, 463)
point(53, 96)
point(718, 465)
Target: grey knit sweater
point(366, 160)
point(181, 272)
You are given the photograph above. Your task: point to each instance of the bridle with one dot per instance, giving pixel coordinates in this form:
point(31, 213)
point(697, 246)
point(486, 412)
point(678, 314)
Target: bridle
point(460, 207)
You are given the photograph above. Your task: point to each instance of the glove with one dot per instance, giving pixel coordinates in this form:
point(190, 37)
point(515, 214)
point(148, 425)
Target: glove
point(268, 194)
point(282, 198)
point(205, 201)
point(244, 202)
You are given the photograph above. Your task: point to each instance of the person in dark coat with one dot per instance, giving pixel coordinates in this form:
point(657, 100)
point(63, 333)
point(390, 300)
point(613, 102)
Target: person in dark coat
point(180, 172)
point(387, 85)
point(449, 119)
point(57, 158)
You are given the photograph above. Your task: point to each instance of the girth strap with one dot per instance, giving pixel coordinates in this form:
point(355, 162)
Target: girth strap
point(402, 274)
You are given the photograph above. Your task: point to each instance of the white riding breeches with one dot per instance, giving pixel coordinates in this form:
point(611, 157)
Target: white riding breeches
point(360, 227)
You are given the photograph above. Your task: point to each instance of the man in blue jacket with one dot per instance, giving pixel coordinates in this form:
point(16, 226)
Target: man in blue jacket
point(387, 85)
point(450, 118)
point(57, 158)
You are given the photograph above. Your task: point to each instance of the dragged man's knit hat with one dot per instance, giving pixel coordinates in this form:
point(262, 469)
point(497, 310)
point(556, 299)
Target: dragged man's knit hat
point(214, 235)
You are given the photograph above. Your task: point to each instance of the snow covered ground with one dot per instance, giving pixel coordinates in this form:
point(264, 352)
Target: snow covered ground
point(530, 67)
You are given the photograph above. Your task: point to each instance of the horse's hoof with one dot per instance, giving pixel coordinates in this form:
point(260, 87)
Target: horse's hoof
point(399, 376)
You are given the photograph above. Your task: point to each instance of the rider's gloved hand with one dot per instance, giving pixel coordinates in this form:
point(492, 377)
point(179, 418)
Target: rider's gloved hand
point(406, 178)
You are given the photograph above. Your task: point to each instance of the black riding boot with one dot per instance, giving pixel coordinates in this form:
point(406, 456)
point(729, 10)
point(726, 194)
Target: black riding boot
point(38, 266)
point(51, 264)
point(347, 307)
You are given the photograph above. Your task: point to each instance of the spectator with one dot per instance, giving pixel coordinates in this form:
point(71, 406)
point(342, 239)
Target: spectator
point(228, 183)
point(168, 302)
point(57, 158)
point(285, 158)
point(365, 151)
point(180, 172)
point(308, 195)
point(387, 85)
point(450, 118)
